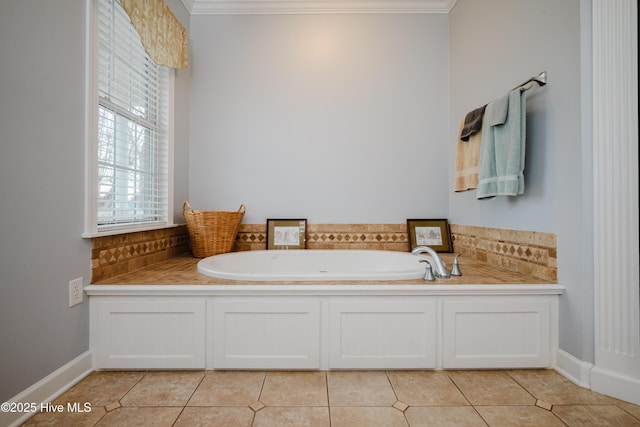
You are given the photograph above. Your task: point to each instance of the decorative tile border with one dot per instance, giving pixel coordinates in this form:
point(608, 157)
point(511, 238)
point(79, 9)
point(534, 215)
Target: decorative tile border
point(528, 252)
point(251, 237)
point(333, 236)
point(124, 253)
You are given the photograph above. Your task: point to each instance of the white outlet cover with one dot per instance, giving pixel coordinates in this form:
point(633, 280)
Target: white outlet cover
point(76, 291)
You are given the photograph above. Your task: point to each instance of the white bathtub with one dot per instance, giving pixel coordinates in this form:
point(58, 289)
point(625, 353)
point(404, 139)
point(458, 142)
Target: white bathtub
point(314, 265)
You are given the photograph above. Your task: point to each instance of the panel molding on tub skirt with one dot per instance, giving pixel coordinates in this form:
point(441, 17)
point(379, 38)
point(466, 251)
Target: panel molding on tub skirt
point(489, 333)
point(398, 334)
point(151, 334)
point(265, 335)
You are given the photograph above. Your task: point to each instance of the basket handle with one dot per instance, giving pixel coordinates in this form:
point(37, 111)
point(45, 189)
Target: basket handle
point(186, 206)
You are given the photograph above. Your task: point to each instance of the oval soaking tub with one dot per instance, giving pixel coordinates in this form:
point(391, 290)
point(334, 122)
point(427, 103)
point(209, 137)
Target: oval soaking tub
point(314, 265)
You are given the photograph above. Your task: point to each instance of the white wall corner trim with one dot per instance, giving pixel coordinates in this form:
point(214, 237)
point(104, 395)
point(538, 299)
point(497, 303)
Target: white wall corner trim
point(575, 370)
point(615, 165)
point(49, 388)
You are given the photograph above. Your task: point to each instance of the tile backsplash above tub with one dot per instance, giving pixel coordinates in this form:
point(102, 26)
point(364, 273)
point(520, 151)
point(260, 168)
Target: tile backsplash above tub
point(125, 253)
point(391, 237)
point(527, 252)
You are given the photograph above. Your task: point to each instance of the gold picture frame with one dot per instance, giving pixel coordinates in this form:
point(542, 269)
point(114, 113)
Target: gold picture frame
point(434, 233)
point(286, 233)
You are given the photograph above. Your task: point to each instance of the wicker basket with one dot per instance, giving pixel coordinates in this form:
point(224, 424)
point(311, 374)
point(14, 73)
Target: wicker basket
point(211, 232)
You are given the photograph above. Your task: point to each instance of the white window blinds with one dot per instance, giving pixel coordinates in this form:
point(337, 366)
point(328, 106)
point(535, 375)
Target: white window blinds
point(132, 142)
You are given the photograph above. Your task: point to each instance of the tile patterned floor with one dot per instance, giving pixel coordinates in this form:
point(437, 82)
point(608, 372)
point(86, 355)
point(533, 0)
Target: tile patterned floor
point(337, 399)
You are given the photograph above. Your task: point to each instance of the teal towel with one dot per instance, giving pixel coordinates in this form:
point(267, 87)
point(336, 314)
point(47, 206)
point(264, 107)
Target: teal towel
point(501, 165)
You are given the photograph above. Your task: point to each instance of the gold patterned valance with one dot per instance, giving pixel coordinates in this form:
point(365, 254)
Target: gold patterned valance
point(162, 35)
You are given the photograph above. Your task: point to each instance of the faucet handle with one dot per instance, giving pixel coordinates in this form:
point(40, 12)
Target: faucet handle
point(428, 274)
point(455, 268)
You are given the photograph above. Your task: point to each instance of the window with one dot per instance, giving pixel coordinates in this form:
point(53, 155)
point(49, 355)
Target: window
point(131, 146)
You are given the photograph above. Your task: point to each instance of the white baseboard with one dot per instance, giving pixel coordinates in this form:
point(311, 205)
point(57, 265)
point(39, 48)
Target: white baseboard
point(600, 380)
point(574, 369)
point(615, 385)
point(48, 388)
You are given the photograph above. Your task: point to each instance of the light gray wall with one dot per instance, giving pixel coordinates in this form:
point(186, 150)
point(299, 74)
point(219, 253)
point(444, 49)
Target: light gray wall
point(41, 189)
point(181, 124)
point(342, 119)
point(495, 45)
point(42, 114)
point(333, 118)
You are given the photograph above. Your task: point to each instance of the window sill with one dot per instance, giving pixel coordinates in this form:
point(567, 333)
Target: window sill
point(116, 232)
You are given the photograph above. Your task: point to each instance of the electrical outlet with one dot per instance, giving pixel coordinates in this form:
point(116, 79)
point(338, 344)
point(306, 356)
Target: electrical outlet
point(76, 292)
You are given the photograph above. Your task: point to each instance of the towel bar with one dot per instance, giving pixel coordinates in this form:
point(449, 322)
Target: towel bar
point(541, 79)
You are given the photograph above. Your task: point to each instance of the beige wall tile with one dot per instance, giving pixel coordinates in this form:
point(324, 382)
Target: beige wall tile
point(129, 252)
point(516, 250)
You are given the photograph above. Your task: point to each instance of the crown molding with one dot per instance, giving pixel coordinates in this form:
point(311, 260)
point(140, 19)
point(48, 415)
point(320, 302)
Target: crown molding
point(268, 7)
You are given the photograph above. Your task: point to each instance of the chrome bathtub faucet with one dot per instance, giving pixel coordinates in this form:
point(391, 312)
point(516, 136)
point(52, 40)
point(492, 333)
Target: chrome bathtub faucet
point(455, 268)
point(440, 267)
point(428, 273)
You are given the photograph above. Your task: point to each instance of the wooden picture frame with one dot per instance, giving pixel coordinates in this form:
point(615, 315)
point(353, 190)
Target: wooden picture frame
point(286, 233)
point(434, 233)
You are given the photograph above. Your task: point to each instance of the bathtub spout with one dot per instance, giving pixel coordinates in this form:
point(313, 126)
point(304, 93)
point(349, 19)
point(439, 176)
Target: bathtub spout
point(440, 267)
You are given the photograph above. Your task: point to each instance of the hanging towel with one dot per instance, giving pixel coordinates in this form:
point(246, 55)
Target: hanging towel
point(472, 123)
point(499, 110)
point(465, 176)
point(502, 150)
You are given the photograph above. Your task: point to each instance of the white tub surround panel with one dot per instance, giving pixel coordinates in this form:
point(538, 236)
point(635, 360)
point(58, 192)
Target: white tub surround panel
point(258, 334)
point(316, 326)
point(524, 328)
point(377, 334)
point(615, 140)
point(148, 333)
